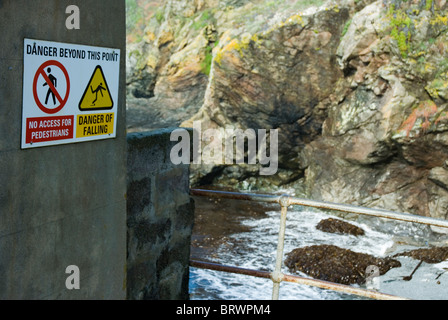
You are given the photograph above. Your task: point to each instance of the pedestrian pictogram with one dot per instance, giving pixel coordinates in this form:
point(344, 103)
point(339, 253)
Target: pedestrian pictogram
point(50, 91)
point(58, 90)
point(96, 95)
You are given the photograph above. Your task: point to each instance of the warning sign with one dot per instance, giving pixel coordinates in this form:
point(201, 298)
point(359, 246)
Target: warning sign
point(64, 88)
point(97, 95)
point(94, 124)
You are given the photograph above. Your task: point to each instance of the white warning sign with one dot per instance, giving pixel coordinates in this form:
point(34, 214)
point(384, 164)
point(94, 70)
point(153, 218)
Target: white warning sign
point(70, 93)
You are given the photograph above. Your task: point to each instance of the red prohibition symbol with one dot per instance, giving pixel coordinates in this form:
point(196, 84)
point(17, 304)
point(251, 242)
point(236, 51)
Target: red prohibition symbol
point(51, 87)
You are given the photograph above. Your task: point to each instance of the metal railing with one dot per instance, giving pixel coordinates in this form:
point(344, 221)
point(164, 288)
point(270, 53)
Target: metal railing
point(285, 201)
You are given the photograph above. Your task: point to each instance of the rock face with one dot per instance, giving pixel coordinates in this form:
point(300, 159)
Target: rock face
point(383, 144)
point(166, 75)
point(276, 79)
point(334, 264)
point(357, 91)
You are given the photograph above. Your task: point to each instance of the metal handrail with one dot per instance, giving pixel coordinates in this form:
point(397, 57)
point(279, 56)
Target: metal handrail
point(285, 201)
point(296, 279)
point(322, 205)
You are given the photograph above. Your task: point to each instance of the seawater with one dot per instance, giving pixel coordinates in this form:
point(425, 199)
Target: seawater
point(256, 249)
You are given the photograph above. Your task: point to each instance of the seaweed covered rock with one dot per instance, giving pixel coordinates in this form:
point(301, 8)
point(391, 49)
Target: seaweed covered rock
point(338, 226)
point(334, 264)
point(428, 255)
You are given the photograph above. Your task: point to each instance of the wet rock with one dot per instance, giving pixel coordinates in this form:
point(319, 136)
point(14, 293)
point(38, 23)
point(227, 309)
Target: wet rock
point(334, 264)
point(338, 226)
point(428, 255)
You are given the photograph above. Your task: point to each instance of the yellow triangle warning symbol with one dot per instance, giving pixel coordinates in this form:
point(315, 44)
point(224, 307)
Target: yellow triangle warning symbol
point(97, 95)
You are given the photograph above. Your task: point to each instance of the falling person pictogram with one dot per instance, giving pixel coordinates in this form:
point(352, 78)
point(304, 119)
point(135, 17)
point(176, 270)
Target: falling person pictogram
point(50, 91)
point(100, 88)
point(91, 100)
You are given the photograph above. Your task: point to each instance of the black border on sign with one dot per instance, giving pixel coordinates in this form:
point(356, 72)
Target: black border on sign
point(87, 88)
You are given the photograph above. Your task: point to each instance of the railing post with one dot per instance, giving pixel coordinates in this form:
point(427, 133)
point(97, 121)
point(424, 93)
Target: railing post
point(277, 275)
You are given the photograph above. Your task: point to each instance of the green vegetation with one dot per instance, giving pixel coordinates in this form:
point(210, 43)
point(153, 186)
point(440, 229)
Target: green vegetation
point(204, 19)
point(159, 15)
point(138, 15)
point(404, 19)
point(346, 26)
point(443, 68)
point(206, 64)
point(133, 15)
point(401, 29)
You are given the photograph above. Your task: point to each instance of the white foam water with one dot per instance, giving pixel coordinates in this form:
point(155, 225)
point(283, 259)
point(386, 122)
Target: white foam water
point(257, 250)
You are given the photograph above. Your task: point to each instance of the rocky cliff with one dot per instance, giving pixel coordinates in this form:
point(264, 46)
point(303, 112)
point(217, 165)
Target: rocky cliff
point(357, 89)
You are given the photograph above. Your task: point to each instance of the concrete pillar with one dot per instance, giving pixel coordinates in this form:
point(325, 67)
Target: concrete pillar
point(60, 205)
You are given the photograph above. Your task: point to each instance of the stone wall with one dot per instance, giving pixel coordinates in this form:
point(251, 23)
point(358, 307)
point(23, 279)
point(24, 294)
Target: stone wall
point(159, 219)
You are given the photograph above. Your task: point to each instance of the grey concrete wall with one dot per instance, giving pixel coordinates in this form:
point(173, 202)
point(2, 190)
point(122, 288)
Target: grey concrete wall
point(160, 216)
point(60, 205)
